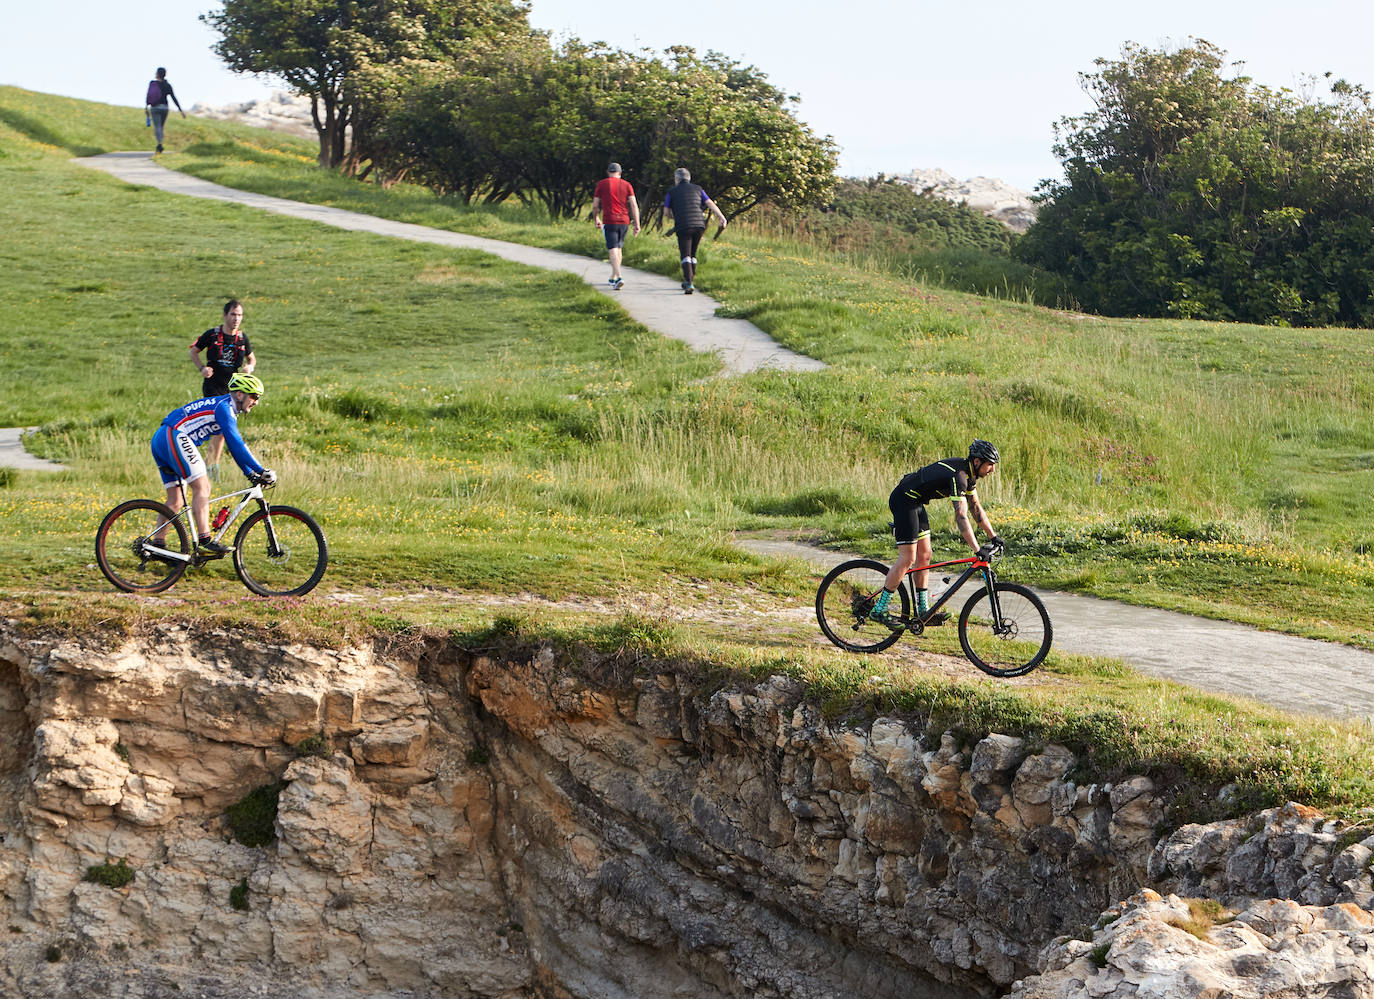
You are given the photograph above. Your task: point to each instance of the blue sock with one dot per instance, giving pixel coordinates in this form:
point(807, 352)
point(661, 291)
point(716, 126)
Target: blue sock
point(883, 598)
point(922, 601)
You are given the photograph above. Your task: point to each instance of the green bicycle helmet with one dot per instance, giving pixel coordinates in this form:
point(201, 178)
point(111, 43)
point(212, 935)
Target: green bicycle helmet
point(982, 450)
point(240, 382)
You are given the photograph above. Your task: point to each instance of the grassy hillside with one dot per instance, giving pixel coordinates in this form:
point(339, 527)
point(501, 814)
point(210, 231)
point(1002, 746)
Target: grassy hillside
point(465, 425)
point(1217, 468)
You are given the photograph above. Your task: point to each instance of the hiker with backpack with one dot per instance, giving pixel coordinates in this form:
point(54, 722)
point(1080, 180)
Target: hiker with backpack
point(155, 103)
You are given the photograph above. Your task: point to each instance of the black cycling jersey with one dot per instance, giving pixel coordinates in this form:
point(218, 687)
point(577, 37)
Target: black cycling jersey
point(952, 478)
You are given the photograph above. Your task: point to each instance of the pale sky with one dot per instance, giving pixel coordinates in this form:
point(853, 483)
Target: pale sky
point(970, 89)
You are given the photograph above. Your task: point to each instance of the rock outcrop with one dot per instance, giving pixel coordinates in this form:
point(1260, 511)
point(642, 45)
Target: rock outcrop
point(282, 112)
point(455, 824)
point(1157, 947)
point(994, 198)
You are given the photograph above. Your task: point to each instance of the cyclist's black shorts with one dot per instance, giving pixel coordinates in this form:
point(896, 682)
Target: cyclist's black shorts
point(909, 520)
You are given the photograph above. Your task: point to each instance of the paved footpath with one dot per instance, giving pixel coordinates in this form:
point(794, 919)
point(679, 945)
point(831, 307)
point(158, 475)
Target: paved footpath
point(13, 455)
point(652, 299)
point(1295, 674)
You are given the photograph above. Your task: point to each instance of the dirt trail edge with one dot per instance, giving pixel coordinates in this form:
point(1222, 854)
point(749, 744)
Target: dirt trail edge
point(1295, 674)
point(652, 299)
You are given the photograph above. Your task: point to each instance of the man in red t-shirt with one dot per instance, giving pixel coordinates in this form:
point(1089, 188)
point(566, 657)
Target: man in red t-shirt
point(616, 198)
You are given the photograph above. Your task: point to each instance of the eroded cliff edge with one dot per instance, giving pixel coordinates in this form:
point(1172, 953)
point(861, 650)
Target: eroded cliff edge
point(516, 823)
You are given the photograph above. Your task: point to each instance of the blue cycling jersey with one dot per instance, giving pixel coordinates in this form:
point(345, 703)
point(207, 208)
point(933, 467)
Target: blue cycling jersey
point(202, 419)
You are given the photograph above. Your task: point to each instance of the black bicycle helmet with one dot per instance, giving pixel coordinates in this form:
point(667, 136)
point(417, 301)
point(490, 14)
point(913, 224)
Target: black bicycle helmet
point(984, 451)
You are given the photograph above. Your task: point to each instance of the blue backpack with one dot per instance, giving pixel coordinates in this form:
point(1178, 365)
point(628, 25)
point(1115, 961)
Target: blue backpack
point(155, 94)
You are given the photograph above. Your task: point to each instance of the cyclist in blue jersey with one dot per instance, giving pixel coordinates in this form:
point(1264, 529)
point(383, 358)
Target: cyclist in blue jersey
point(956, 479)
point(178, 457)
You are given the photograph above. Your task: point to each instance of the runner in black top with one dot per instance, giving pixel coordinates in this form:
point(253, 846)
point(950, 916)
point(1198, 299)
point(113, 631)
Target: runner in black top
point(952, 478)
point(227, 350)
point(689, 205)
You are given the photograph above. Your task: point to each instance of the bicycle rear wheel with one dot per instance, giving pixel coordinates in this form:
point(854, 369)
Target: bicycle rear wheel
point(844, 599)
point(121, 546)
point(283, 554)
point(1015, 645)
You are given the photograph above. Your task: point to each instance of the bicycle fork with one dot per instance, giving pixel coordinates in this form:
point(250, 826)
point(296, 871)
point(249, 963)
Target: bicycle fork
point(999, 627)
point(273, 548)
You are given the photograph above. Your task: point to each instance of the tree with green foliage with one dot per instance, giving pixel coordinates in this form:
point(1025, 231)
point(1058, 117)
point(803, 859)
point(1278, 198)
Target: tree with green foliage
point(735, 131)
point(1188, 193)
point(321, 47)
point(519, 117)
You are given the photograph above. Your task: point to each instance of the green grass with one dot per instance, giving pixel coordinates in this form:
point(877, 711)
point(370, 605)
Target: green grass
point(1258, 441)
point(468, 430)
point(485, 400)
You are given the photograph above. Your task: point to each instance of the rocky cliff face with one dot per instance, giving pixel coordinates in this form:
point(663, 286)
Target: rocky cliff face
point(520, 825)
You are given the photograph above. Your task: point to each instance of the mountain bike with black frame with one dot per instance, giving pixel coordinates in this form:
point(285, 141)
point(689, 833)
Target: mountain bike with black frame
point(1004, 628)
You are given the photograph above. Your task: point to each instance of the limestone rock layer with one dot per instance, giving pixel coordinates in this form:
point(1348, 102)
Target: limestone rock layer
point(434, 822)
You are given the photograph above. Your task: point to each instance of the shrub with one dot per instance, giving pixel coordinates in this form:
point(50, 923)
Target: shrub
point(313, 745)
point(110, 875)
point(253, 818)
point(1192, 194)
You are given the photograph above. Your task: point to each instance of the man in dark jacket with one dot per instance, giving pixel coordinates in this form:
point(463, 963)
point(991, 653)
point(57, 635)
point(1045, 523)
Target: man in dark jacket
point(689, 205)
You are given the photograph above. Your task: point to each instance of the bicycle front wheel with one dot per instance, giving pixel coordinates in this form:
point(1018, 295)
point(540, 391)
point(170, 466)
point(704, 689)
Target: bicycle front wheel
point(844, 600)
point(1011, 643)
point(122, 543)
point(280, 554)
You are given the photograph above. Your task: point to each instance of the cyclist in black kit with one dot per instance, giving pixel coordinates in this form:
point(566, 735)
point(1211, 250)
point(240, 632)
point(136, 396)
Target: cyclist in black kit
point(957, 479)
